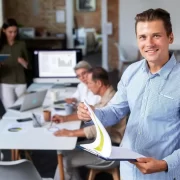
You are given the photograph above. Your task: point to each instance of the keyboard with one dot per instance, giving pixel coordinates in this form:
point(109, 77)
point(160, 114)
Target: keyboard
point(58, 86)
point(60, 102)
point(18, 107)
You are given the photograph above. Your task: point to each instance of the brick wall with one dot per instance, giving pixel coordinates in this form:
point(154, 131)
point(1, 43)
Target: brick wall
point(93, 19)
point(113, 17)
point(89, 19)
point(23, 12)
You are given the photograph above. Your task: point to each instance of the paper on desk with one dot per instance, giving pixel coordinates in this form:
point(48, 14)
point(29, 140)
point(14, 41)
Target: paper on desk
point(51, 130)
point(15, 128)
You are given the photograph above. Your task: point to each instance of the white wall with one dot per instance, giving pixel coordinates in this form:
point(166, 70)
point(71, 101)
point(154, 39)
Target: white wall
point(128, 11)
point(1, 12)
point(69, 23)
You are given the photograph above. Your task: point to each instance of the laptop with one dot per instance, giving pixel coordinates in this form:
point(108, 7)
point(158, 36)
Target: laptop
point(31, 101)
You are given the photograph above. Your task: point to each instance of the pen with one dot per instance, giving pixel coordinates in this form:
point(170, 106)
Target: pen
point(51, 124)
point(36, 119)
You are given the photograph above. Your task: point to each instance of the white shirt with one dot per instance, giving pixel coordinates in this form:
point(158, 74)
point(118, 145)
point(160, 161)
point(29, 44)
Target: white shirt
point(83, 92)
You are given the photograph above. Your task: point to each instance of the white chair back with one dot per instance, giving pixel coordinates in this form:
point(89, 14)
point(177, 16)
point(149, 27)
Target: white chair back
point(18, 170)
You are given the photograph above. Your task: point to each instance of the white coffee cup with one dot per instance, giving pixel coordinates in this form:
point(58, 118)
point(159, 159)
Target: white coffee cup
point(68, 108)
point(54, 96)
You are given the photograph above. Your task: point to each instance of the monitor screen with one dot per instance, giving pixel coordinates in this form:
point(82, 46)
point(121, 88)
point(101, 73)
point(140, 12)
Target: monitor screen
point(55, 63)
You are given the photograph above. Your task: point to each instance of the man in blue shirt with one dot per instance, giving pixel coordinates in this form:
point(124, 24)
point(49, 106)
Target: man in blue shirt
point(150, 91)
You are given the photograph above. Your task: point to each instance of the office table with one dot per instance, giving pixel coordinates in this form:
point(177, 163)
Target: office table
point(35, 138)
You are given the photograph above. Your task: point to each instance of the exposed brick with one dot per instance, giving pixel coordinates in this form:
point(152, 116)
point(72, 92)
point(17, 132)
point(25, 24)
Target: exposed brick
point(22, 11)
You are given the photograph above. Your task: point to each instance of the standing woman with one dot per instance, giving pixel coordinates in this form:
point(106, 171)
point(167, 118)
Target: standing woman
point(12, 75)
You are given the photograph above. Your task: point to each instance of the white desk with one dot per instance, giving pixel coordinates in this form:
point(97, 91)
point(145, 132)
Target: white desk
point(36, 138)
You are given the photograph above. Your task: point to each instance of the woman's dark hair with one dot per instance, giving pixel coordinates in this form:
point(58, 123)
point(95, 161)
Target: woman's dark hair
point(10, 22)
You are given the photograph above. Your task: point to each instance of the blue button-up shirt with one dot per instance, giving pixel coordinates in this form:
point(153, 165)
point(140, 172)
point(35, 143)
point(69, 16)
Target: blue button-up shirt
point(153, 128)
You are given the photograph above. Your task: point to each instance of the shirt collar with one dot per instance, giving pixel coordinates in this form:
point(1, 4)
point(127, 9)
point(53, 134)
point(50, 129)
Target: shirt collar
point(165, 70)
point(108, 91)
point(15, 42)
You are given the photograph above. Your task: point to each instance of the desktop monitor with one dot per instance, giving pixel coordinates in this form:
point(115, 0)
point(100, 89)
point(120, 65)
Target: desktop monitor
point(55, 66)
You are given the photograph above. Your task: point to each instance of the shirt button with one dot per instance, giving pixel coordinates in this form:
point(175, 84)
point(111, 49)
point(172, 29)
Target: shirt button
point(139, 133)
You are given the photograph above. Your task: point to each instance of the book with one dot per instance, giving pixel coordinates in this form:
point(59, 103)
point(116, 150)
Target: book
point(102, 146)
point(3, 57)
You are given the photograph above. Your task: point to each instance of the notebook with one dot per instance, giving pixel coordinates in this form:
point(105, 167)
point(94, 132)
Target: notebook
point(102, 146)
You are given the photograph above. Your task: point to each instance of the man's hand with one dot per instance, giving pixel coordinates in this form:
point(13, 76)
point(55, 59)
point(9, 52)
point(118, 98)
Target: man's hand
point(70, 100)
point(150, 165)
point(83, 112)
point(59, 119)
point(22, 62)
point(64, 132)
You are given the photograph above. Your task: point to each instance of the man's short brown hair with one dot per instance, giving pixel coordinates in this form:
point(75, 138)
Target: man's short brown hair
point(155, 14)
point(98, 73)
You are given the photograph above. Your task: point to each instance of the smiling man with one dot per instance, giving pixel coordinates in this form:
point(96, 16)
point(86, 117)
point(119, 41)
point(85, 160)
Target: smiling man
point(150, 91)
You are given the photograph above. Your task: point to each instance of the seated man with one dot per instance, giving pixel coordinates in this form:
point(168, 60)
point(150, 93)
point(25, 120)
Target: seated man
point(98, 83)
point(82, 91)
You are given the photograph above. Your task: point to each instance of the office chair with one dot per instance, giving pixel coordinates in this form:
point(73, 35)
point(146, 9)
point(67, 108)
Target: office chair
point(2, 109)
point(1, 156)
point(18, 170)
point(109, 167)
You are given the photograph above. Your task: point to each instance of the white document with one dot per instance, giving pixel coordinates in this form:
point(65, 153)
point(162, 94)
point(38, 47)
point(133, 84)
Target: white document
point(60, 16)
point(102, 146)
point(15, 128)
point(51, 130)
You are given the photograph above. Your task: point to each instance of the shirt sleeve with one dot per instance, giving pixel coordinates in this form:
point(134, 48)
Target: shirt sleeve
point(25, 55)
point(90, 132)
point(116, 109)
point(173, 160)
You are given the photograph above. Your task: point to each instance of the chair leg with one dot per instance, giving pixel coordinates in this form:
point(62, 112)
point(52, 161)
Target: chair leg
point(27, 155)
point(17, 154)
point(13, 154)
point(60, 166)
point(115, 174)
point(92, 174)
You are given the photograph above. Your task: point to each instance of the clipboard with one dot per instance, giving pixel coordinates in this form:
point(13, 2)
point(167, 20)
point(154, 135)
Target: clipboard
point(3, 57)
point(117, 154)
point(102, 146)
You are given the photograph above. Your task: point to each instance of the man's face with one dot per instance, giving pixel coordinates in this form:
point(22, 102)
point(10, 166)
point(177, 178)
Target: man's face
point(92, 85)
point(153, 41)
point(82, 75)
